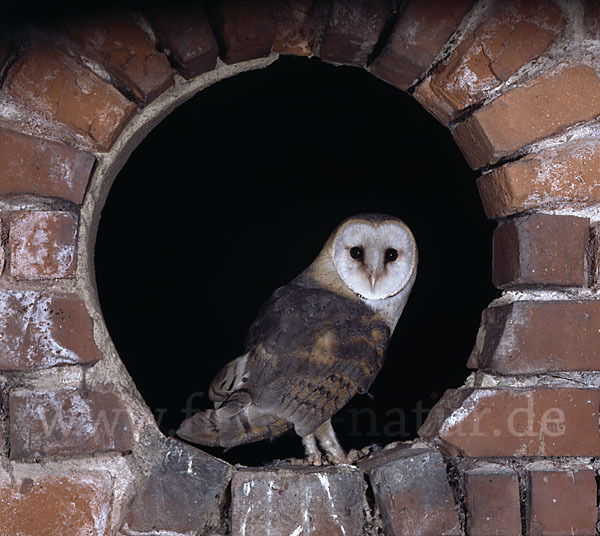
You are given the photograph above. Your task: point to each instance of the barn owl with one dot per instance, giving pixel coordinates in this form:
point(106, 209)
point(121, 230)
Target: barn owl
point(317, 342)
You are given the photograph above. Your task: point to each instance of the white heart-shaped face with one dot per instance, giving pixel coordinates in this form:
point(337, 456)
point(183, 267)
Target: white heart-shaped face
point(375, 260)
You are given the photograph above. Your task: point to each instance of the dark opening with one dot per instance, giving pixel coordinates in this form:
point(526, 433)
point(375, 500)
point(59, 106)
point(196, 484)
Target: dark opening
point(235, 193)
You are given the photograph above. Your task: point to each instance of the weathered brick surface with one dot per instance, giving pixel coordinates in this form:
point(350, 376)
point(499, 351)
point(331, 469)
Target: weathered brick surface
point(67, 422)
point(74, 504)
point(298, 22)
point(297, 501)
point(413, 493)
point(31, 165)
point(353, 30)
point(182, 495)
point(595, 256)
point(186, 36)
point(60, 89)
point(127, 54)
point(527, 337)
point(513, 33)
point(419, 34)
point(492, 501)
point(246, 30)
point(41, 330)
point(491, 422)
point(540, 249)
point(562, 502)
point(564, 176)
point(543, 107)
point(43, 244)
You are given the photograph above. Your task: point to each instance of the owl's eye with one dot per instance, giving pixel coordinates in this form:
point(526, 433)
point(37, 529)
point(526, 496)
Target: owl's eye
point(391, 254)
point(357, 252)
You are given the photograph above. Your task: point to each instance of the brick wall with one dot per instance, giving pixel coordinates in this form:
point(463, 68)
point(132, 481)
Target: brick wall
point(513, 451)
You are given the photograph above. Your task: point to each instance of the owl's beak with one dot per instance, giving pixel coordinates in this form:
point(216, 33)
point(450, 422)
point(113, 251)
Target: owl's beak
point(373, 280)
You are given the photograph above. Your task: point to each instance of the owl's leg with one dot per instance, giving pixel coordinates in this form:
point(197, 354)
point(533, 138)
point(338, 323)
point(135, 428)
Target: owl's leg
point(311, 450)
point(329, 443)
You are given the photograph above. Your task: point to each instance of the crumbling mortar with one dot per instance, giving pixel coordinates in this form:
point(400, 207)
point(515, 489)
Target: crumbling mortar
point(589, 130)
point(322, 14)
point(397, 11)
point(372, 516)
point(570, 294)
point(470, 21)
point(74, 51)
point(456, 480)
point(567, 379)
point(591, 212)
point(523, 482)
point(15, 202)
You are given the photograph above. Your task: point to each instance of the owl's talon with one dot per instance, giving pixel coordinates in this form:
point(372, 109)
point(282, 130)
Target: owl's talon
point(336, 459)
point(314, 459)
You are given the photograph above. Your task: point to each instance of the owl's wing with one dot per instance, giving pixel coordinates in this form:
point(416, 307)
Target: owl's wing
point(312, 350)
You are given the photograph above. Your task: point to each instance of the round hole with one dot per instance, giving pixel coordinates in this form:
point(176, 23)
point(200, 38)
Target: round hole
point(235, 193)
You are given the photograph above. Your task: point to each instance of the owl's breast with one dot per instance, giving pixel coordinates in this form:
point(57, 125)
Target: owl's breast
point(314, 332)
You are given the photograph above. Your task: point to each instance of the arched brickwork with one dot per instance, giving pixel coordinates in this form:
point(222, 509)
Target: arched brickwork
point(513, 451)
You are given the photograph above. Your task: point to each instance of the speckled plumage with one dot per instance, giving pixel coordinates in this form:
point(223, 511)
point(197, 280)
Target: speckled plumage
point(315, 343)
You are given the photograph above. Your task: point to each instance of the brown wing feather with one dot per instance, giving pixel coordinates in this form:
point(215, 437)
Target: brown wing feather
point(319, 350)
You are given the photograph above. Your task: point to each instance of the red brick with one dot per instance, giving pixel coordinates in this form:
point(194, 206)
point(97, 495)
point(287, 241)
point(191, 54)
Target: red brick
point(531, 337)
point(67, 422)
point(43, 245)
point(182, 495)
point(419, 34)
point(501, 422)
point(413, 494)
point(186, 36)
point(513, 33)
point(540, 250)
point(127, 54)
point(492, 501)
point(298, 24)
point(42, 330)
point(30, 165)
point(60, 89)
point(44, 504)
point(544, 107)
point(353, 30)
point(246, 29)
point(595, 256)
point(562, 502)
point(556, 178)
point(303, 500)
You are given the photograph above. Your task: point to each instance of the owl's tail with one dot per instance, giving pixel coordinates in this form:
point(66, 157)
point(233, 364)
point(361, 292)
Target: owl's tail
point(234, 423)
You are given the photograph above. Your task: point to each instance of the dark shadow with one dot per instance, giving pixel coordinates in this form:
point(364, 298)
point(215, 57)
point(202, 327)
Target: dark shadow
point(234, 194)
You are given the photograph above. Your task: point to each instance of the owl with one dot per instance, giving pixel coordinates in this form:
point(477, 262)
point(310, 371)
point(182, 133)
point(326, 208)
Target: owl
point(316, 342)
